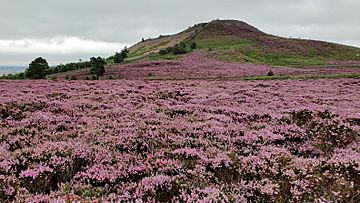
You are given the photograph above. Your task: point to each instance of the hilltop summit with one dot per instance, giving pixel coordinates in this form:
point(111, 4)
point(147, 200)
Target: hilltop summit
point(231, 28)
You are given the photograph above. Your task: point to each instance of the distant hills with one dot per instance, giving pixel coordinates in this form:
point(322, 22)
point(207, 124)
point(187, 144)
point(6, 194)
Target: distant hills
point(4, 70)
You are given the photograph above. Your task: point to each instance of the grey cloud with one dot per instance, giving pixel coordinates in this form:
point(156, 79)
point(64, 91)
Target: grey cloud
point(125, 21)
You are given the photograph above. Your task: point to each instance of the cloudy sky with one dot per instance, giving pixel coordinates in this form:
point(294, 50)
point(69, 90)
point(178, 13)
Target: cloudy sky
point(69, 30)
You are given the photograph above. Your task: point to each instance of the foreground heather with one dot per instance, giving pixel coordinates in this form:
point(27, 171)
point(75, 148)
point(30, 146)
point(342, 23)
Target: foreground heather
point(273, 141)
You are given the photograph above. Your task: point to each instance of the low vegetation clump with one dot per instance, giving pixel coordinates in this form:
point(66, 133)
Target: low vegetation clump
point(270, 73)
point(180, 141)
point(176, 50)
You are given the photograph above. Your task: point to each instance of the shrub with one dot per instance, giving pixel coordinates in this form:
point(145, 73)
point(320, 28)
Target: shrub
point(162, 52)
point(193, 45)
point(73, 77)
point(270, 73)
point(177, 49)
point(180, 48)
point(169, 50)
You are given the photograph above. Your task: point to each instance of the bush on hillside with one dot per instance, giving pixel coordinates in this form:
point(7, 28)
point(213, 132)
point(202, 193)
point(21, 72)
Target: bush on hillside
point(270, 73)
point(120, 57)
point(193, 45)
point(162, 52)
point(180, 48)
point(176, 50)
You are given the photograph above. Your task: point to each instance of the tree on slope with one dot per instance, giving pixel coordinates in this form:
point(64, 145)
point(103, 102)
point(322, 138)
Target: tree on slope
point(97, 66)
point(120, 57)
point(37, 69)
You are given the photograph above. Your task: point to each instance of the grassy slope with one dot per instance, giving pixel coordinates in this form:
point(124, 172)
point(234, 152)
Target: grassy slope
point(236, 41)
point(248, 52)
point(149, 48)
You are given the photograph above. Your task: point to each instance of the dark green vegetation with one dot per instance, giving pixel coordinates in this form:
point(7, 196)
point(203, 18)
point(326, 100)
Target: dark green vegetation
point(62, 68)
point(119, 57)
point(16, 76)
point(37, 69)
point(69, 67)
point(97, 66)
point(178, 49)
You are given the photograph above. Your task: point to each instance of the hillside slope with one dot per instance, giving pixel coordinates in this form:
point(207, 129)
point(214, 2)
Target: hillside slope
point(152, 46)
point(237, 41)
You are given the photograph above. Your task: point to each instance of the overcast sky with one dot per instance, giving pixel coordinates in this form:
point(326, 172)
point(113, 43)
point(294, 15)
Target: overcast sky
point(69, 30)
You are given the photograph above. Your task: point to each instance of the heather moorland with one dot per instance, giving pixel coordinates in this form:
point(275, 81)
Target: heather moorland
point(220, 112)
point(180, 141)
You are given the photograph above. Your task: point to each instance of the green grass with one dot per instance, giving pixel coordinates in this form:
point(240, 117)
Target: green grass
point(285, 59)
point(233, 49)
point(156, 56)
point(222, 42)
point(248, 52)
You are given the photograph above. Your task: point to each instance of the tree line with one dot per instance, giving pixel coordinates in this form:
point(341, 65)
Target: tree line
point(39, 68)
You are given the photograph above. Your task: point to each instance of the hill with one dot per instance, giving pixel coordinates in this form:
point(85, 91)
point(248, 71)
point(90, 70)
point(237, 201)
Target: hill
point(4, 70)
point(229, 48)
point(237, 41)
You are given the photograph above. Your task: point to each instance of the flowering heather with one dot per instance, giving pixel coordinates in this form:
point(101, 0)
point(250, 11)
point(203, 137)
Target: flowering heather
point(180, 141)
